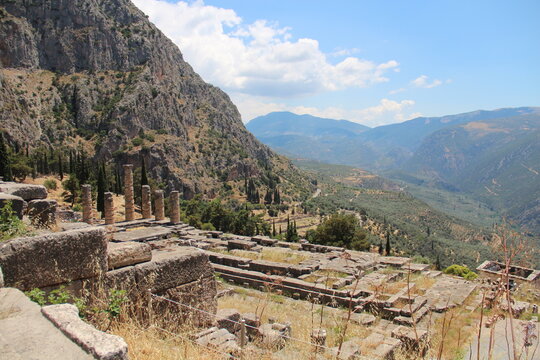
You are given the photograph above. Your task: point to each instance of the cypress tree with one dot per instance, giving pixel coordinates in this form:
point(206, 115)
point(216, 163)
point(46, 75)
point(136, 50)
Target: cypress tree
point(388, 243)
point(71, 164)
point(101, 191)
point(4, 159)
point(381, 248)
point(45, 164)
point(144, 175)
point(117, 182)
point(273, 228)
point(268, 197)
point(277, 197)
point(60, 168)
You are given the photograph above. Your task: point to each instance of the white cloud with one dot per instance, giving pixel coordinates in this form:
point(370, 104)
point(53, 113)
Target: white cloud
point(423, 82)
point(396, 91)
point(386, 112)
point(260, 58)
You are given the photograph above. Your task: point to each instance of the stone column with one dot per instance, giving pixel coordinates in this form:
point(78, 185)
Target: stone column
point(174, 204)
point(109, 208)
point(87, 203)
point(146, 202)
point(160, 206)
point(128, 192)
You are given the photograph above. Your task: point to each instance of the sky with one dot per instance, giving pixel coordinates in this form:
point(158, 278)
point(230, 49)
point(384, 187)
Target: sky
point(372, 62)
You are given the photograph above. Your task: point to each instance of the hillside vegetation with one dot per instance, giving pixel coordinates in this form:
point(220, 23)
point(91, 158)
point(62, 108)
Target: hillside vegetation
point(483, 159)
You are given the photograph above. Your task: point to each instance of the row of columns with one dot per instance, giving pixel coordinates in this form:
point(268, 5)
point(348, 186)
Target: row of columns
point(130, 203)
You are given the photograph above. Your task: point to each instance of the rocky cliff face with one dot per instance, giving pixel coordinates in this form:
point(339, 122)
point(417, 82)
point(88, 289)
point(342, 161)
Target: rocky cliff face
point(97, 74)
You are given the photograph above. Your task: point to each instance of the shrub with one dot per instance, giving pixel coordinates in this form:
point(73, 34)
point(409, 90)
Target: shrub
point(137, 141)
point(208, 227)
point(10, 225)
point(50, 184)
point(460, 270)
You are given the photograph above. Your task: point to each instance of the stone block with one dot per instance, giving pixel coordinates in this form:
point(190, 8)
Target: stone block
point(362, 319)
point(18, 205)
point(252, 323)
point(240, 244)
point(1, 278)
point(25, 191)
point(42, 212)
point(350, 350)
point(55, 258)
point(271, 338)
point(264, 240)
point(192, 303)
point(127, 253)
point(100, 344)
point(170, 268)
point(269, 267)
point(229, 319)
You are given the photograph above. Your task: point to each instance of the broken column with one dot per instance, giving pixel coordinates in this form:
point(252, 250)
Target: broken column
point(109, 208)
point(146, 202)
point(160, 207)
point(87, 203)
point(128, 192)
point(175, 207)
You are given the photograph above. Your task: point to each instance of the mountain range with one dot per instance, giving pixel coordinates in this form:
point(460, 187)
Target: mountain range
point(491, 155)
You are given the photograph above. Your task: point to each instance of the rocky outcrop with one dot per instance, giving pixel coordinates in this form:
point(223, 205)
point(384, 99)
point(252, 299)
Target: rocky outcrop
point(100, 73)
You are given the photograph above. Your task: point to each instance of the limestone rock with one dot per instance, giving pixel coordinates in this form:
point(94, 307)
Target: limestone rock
point(127, 253)
point(102, 345)
point(274, 335)
point(170, 268)
point(18, 205)
point(220, 339)
point(25, 191)
point(25, 333)
point(350, 350)
point(228, 319)
point(42, 212)
point(54, 258)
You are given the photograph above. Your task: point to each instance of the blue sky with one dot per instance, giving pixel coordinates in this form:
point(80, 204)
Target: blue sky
point(373, 62)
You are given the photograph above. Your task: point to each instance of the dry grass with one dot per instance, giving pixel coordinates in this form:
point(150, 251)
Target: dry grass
point(453, 330)
point(152, 343)
point(303, 316)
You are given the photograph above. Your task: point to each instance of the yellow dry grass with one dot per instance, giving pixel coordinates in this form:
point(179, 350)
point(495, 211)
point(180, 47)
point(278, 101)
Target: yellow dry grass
point(303, 316)
point(152, 343)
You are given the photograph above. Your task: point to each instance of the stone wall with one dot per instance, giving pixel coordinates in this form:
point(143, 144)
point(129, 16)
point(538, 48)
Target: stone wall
point(81, 259)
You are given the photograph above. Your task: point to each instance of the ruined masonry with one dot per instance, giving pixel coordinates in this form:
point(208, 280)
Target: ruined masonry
point(163, 258)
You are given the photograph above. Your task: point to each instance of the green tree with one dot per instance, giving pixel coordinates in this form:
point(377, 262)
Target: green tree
point(60, 167)
point(277, 197)
point(101, 185)
point(342, 230)
point(268, 197)
point(4, 159)
point(144, 175)
point(72, 186)
point(388, 249)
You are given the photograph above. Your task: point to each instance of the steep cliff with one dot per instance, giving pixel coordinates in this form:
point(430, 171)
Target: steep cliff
point(97, 74)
